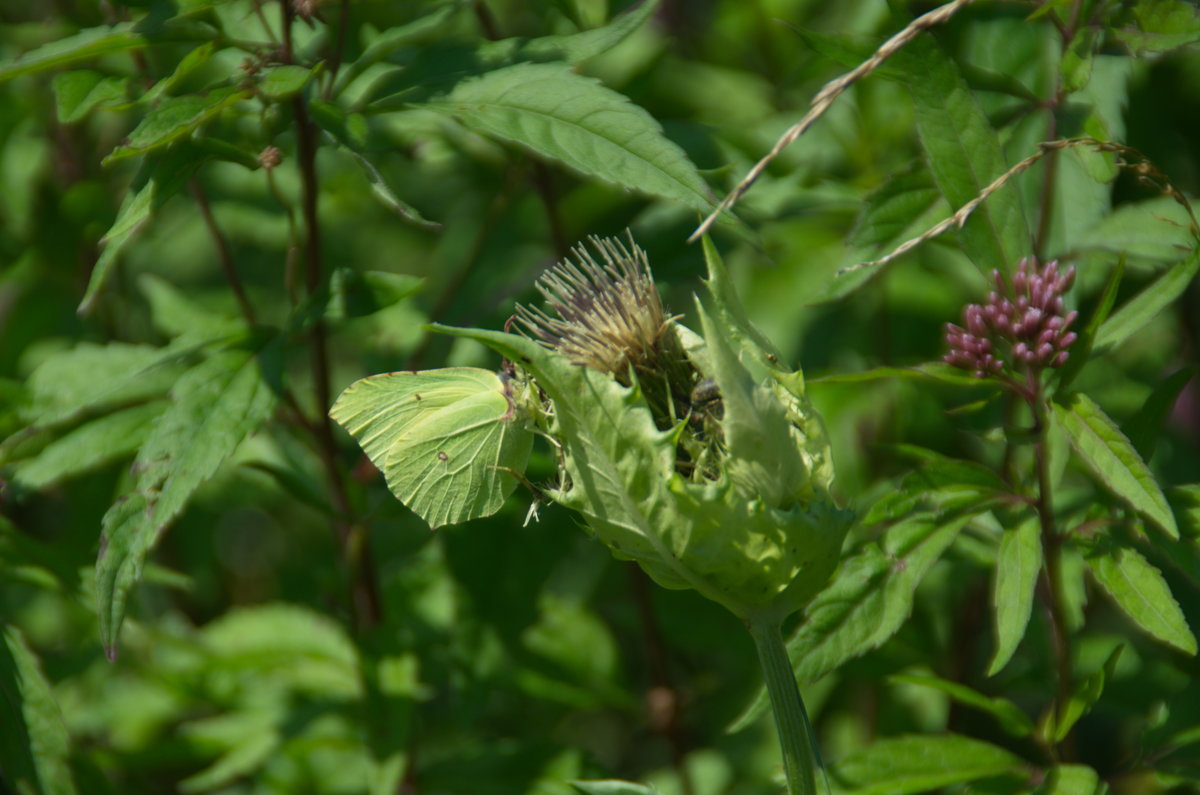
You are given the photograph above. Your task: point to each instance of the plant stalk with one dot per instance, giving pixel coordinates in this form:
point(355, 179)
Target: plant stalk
point(797, 740)
point(1052, 572)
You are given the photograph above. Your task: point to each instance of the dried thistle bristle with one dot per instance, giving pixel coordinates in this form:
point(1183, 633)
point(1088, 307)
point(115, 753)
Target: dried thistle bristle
point(609, 313)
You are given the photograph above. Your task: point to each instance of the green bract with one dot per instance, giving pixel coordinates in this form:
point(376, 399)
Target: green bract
point(732, 502)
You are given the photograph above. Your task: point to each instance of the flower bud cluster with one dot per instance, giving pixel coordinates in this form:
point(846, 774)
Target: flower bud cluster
point(1020, 326)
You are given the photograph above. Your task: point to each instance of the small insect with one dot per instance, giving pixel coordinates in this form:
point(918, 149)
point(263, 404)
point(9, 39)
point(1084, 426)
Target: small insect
point(705, 401)
point(442, 456)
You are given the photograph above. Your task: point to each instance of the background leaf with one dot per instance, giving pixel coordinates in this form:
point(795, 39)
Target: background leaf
point(577, 121)
point(215, 405)
point(918, 764)
point(1113, 460)
point(964, 157)
point(1142, 593)
point(36, 747)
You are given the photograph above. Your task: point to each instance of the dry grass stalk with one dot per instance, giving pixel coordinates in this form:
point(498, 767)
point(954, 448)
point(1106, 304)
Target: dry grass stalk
point(824, 99)
point(1130, 158)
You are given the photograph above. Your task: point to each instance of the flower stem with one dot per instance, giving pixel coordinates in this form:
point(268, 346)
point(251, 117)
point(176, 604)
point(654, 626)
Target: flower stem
point(1052, 578)
point(796, 737)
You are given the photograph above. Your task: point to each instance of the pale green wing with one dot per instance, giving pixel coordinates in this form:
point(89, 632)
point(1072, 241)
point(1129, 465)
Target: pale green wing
point(447, 441)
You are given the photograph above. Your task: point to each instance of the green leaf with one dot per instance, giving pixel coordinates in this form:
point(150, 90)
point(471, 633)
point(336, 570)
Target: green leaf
point(1155, 231)
point(349, 132)
point(179, 316)
point(764, 459)
point(243, 758)
point(1145, 306)
point(937, 471)
point(938, 371)
point(85, 44)
point(189, 63)
point(393, 39)
point(78, 92)
point(922, 763)
point(450, 443)
point(576, 47)
point(34, 744)
point(869, 599)
point(159, 179)
point(1018, 563)
point(964, 156)
point(1161, 25)
point(90, 446)
point(1081, 351)
point(1186, 501)
point(613, 787)
point(1140, 590)
point(359, 293)
point(295, 646)
point(175, 118)
point(743, 333)
point(92, 377)
point(1082, 699)
point(439, 65)
point(901, 208)
point(215, 406)
point(1072, 780)
point(1076, 63)
point(1008, 714)
point(575, 120)
point(284, 82)
point(1144, 427)
point(1113, 460)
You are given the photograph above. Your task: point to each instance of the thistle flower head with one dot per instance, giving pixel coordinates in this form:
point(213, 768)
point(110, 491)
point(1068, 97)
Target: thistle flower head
point(609, 313)
point(1020, 326)
point(609, 316)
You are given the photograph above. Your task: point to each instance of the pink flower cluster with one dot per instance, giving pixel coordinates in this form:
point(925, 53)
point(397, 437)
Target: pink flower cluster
point(1023, 325)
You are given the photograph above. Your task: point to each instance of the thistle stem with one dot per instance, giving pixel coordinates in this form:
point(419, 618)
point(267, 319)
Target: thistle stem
point(796, 737)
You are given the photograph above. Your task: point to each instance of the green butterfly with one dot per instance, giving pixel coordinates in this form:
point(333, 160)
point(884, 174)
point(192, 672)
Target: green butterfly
point(449, 442)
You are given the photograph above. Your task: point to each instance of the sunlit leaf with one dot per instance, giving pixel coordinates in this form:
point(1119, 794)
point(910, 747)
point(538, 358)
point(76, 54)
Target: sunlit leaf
point(1018, 563)
point(1112, 459)
point(1140, 590)
point(215, 405)
point(91, 445)
point(577, 121)
point(922, 763)
point(964, 156)
point(174, 118)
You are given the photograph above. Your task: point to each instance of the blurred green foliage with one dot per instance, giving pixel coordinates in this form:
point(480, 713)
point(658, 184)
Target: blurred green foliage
point(215, 214)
